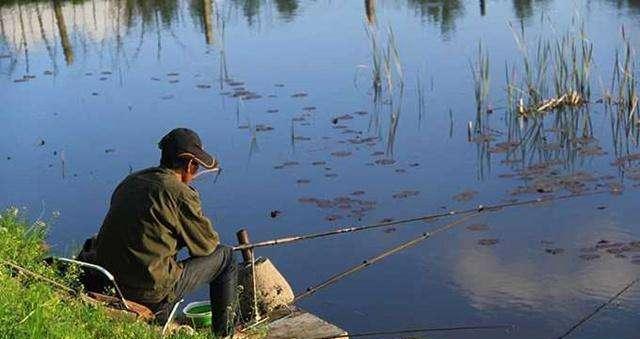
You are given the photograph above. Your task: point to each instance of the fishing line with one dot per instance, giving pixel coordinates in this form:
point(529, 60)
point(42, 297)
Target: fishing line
point(351, 229)
point(598, 309)
point(507, 328)
point(373, 260)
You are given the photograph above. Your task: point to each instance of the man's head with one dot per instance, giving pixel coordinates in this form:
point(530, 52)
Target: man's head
point(182, 152)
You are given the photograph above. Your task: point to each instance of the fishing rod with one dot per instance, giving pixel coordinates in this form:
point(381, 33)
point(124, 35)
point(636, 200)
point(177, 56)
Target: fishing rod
point(373, 260)
point(507, 328)
point(598, 309)
point(352, 229)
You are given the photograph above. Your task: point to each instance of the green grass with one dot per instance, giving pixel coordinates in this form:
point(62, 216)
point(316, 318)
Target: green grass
point(31, 308)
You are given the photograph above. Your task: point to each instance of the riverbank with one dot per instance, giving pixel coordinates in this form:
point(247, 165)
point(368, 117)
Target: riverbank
point(32, 308)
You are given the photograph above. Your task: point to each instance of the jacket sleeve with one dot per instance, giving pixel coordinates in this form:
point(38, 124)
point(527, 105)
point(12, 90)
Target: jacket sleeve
point(196, 229)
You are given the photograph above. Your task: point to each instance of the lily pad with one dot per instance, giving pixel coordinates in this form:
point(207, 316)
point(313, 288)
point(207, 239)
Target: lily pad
point(385, 162)
point(555, 251)
point(341, 154)
point(465, 196)
point(478, 227)
point(405, 194)
point(263, 128)
point(488, 242)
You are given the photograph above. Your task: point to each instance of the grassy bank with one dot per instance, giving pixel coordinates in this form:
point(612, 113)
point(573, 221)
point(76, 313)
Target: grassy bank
point(32, 308)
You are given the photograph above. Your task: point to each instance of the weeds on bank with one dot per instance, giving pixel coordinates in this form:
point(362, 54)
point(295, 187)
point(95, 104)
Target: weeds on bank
point(33, 308)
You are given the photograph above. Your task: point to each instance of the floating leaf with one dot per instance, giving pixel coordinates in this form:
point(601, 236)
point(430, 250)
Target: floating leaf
point(478, 227)
point(263, 128)
point(554, 251)
point(488, 242)
point(405, 194)
point(465, 196)
point(341, 154)
point(385, 162)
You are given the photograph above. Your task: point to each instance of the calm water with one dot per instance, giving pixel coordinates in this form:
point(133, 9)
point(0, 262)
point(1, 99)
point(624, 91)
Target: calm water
point(89, 87)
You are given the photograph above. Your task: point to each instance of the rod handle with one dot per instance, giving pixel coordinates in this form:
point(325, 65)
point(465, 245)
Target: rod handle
point(243, 239)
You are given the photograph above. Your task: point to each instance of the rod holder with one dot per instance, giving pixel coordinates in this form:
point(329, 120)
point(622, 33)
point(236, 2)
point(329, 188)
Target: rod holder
point(243, 239)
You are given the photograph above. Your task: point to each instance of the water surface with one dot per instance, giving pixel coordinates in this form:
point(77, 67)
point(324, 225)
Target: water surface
point(89, 87)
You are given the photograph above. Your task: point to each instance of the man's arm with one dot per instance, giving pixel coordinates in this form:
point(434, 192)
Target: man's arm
point(196, 230)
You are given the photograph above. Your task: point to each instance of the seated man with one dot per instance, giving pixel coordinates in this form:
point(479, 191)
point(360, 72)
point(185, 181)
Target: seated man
point(153, 214)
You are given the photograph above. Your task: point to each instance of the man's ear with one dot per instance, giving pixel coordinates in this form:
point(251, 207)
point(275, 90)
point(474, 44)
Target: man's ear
point(195, 166)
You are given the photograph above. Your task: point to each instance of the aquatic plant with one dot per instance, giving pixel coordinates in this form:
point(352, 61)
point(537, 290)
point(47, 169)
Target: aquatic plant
point(421, 99)
point(566, 60)
point(622, 98)
point(481, 80)
point(387, 77)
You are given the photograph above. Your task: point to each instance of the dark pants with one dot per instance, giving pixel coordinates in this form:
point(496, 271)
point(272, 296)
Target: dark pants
point(219, 270)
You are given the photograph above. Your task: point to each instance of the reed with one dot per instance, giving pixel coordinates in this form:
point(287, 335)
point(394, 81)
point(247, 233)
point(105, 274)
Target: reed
point(421, 99)
point(566, 60)
point(387, 77)
point(481, 80)
point(622, 98)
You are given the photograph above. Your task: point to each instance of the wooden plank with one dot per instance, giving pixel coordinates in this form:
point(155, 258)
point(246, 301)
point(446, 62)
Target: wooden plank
point(302, 325)
point(298, 324)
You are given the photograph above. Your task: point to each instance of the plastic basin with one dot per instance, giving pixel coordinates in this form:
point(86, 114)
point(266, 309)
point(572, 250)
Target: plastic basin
point(199, 313)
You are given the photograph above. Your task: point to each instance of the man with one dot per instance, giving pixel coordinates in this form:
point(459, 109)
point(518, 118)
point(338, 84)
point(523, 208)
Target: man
point(153, 214)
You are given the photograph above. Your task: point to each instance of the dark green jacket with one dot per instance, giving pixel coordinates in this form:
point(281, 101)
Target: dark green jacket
point(152, 216)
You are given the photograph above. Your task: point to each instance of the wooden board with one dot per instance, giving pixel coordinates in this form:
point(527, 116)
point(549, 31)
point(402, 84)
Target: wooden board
point(300, 324)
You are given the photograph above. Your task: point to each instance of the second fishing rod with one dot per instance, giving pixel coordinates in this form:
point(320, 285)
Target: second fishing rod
point(430, 217)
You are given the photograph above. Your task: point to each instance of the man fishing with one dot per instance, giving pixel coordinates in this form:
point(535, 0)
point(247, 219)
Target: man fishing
point(154, 213)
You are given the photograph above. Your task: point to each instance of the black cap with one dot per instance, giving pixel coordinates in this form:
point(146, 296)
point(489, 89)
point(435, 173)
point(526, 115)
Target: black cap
point(185, 143)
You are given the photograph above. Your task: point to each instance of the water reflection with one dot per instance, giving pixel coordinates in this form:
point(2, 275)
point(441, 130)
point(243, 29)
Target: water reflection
point(79, 21)
point(287, 8)
point(203, 13)
point(525, 9)
point(492, 282)
point(444, 13)
point(370, 11)
point(383, 157)
point(252, 9)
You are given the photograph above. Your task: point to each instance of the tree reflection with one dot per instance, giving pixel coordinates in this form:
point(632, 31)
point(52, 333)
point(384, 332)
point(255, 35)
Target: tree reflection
point(442, 12)
point(632, 5)
point(524, 9)
point(287, 8)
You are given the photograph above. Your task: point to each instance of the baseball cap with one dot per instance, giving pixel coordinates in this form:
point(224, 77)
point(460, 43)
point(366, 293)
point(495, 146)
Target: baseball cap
point(183, 142)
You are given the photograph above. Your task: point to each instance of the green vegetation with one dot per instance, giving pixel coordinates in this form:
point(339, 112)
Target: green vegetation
point(34, 308)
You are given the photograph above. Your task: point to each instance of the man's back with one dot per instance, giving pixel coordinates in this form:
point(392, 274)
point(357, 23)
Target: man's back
point(151, 217)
